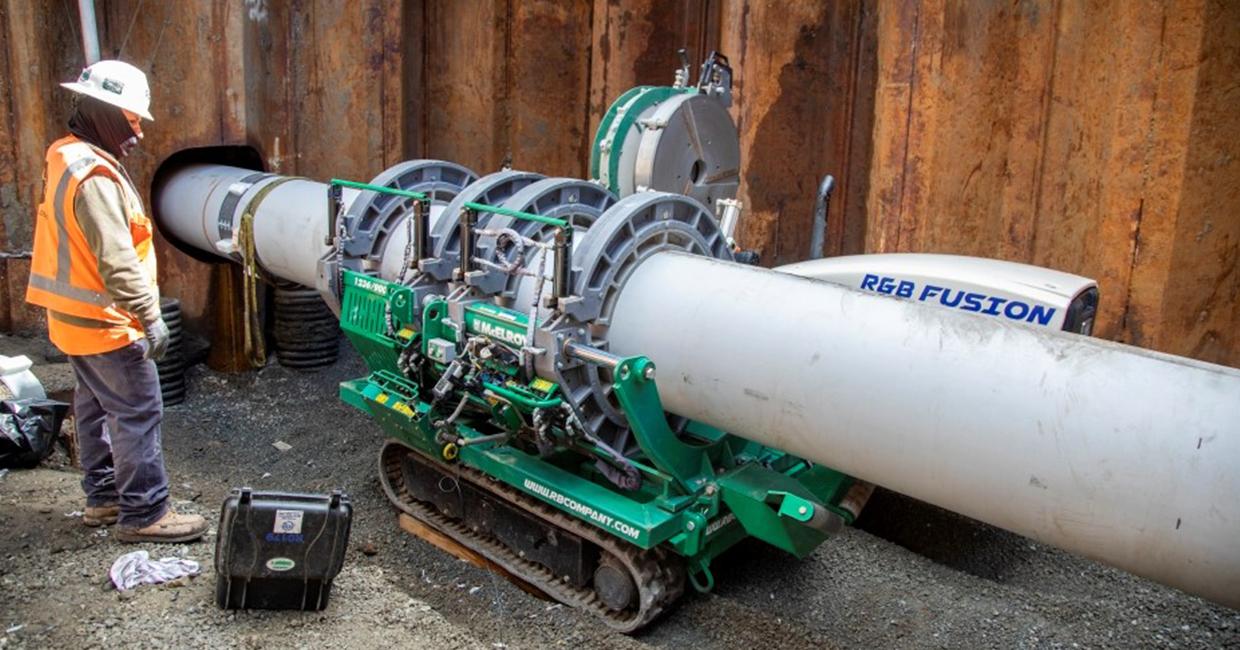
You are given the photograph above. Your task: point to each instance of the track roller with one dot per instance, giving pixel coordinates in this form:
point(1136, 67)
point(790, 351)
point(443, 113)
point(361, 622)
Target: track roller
point(624, 586)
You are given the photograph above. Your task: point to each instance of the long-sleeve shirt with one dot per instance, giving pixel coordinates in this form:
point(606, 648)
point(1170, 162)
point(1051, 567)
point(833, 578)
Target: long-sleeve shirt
point(100, 211)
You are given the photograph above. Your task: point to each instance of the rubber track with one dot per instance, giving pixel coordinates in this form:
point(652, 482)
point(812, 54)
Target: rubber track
point(659, 575)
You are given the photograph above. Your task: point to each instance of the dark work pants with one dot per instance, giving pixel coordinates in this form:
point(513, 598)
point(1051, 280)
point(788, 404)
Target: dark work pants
point(118, 408)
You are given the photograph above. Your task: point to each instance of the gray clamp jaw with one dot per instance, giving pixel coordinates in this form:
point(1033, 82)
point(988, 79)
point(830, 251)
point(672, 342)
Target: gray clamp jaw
point(361, 238)
point(715, 78)
point(612, 239)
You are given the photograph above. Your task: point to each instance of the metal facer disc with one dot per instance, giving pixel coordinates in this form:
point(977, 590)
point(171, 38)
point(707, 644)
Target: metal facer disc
point(690, 146)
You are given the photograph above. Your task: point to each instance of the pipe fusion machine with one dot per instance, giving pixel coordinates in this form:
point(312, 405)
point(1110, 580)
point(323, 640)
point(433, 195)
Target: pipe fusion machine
point(581, 384)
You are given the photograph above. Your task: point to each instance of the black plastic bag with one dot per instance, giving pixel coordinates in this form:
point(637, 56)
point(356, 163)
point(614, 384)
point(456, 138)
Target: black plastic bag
point(28, 430)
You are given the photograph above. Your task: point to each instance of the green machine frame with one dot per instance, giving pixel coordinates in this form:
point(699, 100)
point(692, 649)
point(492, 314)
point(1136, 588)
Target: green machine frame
point(701, 490)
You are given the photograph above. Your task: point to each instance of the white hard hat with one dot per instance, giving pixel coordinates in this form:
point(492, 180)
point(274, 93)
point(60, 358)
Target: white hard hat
point(116, 83)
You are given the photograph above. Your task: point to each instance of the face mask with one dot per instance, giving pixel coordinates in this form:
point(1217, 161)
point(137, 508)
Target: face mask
point(104, 126)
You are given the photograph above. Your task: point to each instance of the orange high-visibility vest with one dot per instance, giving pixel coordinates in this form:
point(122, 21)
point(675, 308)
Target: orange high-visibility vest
point(64, 273)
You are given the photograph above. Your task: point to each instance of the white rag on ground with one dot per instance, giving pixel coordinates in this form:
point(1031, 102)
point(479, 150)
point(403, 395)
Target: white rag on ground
point(137, 568)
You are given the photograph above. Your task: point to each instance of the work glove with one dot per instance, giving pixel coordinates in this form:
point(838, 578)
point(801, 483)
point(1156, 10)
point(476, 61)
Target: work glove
point(157, 339)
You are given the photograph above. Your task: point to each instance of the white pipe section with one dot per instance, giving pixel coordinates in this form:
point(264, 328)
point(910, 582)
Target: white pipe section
point(290, 228)
point(1120, 454)
point(290, 220)
point(393, 259)
point(1124, 455)
point(90, 33)
point(185, 206)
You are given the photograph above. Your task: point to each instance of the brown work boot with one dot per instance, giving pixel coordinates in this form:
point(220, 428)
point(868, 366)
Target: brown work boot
point(170, 528)
point(96, 516)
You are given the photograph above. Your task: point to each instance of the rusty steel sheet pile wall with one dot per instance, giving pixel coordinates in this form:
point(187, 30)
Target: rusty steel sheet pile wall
point(804, 101)
point(1092, 137)
point(34, 40)
point(1097, 138)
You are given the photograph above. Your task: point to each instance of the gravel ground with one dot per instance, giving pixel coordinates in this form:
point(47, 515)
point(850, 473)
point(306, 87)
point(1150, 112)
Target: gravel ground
point(910, 575)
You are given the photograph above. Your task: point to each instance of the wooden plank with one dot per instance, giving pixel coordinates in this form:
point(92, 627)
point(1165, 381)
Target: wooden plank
point(267, 59)
point(1154, 168)
point(41, 51)
point(984, 147)
point(6, 317)
point(847, 235)
point(337, 88)
point(25, 318)
point(10, 207)
point(465, 82)
point(960, 170)
point(977, 127)
point(508, 84)
point(452, 547)
point(962, 97)
point(1092, 204)
point(894, 90)
point(1080, 136)
point(922, 126)
point(227, 330)
point(41, 54)
point(1199, 311)
point(794, 66)
point(403, 80)
point(548, 67)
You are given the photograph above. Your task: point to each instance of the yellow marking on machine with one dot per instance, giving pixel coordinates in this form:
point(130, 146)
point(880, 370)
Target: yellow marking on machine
point(542, 385)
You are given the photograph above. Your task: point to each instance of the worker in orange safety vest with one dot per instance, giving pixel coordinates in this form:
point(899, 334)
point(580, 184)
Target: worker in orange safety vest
point(93, 269)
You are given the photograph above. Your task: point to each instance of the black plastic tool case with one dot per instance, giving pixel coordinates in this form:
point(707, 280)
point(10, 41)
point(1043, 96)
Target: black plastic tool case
point(280, 550)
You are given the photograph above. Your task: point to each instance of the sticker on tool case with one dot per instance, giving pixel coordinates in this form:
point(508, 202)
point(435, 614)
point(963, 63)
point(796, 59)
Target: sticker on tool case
point(280, 563)
point(288, 522)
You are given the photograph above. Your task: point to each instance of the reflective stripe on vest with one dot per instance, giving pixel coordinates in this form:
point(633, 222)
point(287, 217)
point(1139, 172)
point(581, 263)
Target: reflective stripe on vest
point(63, 254)
point(78, 321)
point(63, 288)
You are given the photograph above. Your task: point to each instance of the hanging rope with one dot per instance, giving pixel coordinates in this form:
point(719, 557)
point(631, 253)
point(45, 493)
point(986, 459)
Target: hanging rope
point(255, 344)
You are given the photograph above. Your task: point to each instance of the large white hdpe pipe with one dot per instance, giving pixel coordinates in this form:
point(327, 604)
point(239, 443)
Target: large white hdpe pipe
point(290, 220)
point(1120, 454)
point(1124, 455)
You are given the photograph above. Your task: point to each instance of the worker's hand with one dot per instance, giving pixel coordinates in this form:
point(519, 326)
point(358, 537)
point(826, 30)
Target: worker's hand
point(157, 338)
